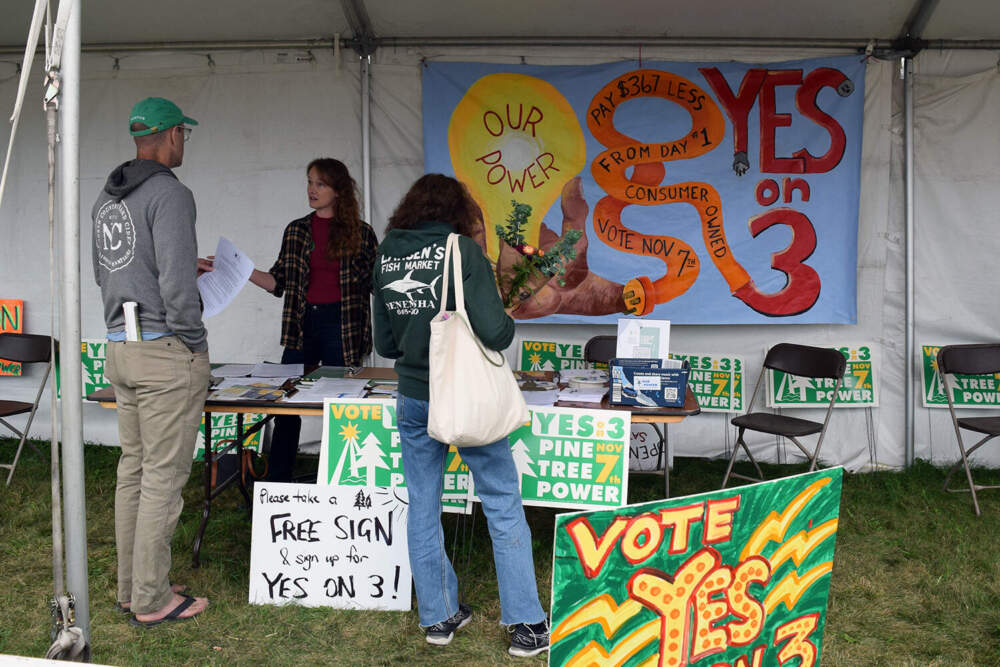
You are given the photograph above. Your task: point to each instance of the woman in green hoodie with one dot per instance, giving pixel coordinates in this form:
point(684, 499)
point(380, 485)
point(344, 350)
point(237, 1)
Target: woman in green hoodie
point(407, 293)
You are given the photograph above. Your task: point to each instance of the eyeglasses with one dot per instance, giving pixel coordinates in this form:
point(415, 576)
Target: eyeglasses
point(186, 131)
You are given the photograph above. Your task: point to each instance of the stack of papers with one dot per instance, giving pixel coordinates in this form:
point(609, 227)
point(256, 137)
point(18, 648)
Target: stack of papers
point(324, 388)
point(268, 370)
point(539, 392)
point(383, 388)
point(249, 389)
point(232, 370)
point(583, 395)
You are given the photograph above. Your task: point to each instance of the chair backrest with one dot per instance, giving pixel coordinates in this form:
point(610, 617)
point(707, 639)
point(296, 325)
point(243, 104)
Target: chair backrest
point(806, 360)
point(600, 349)
point(25, 348)
point(969, 359)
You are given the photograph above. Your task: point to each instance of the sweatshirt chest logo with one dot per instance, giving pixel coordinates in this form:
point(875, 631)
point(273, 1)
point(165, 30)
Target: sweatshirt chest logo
point(405, 294)
point(114, 235)
point(407, 285)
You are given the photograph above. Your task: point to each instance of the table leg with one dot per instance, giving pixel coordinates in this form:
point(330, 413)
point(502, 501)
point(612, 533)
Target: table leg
point(207, 505)
point(239, 459)
point(661, 457)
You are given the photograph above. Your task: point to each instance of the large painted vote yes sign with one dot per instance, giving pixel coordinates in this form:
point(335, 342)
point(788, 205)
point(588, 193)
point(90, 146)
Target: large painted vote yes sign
point(696, 192)
point(738, 577)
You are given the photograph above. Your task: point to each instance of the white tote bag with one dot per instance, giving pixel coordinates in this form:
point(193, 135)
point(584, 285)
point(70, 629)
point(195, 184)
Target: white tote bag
point(474, 398)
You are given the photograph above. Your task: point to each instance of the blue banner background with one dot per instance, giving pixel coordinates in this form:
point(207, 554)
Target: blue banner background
point(832, 207)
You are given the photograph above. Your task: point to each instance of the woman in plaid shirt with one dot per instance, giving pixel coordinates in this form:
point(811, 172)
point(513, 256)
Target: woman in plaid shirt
point(324, 272)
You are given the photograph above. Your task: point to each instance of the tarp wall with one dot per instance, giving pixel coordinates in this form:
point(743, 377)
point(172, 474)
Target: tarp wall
point(264, 115)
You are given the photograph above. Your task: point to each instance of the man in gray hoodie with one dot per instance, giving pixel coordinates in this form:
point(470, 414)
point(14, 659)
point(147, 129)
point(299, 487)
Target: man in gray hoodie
point(146, 251)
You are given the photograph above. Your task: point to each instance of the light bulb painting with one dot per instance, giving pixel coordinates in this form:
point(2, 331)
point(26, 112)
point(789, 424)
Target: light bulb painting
point(695, 192)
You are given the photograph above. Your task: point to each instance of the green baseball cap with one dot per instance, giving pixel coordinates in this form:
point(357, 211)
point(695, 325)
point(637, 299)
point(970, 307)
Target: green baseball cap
point(157, 114)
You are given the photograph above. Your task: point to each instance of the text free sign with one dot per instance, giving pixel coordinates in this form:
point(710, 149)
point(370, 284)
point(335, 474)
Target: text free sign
point(329, 546)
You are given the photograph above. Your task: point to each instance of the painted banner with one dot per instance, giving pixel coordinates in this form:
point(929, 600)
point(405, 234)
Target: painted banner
point(565, 457)
point(858, 390)
point(549, 355)
point(329, 546)
point(732, 577)
point(967, 391)
point(11, 321)
point(580, 170)
point(716, 380)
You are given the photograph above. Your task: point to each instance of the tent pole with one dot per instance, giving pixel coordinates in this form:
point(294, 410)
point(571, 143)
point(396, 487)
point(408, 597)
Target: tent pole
point(366, 133)
point(906, 65)
point(74, 498)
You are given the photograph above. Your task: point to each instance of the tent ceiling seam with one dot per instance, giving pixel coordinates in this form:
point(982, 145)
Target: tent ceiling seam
point(882, 47)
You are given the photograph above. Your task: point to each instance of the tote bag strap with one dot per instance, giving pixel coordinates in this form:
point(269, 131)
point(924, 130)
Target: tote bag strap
point(453, 265)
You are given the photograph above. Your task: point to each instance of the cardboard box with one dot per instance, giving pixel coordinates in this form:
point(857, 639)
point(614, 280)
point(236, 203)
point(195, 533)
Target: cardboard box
point(644, 383)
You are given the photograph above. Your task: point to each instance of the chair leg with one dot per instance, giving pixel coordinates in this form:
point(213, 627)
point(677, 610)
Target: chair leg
point(964, 462)
point(17, 455)
point(732, 460)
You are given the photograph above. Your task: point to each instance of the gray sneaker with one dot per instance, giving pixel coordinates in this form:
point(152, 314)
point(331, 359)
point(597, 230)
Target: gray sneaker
point(528, 639)
point(441, 634)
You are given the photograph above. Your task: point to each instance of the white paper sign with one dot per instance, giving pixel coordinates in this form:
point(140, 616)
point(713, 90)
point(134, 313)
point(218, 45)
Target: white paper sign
point(643, 339)
point(330, 546)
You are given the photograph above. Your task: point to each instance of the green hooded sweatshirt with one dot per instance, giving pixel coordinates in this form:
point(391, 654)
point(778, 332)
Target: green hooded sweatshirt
point(407, 286)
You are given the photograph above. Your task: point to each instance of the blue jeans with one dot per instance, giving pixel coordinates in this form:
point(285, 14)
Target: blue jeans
point(496, 482)
point(321, 344)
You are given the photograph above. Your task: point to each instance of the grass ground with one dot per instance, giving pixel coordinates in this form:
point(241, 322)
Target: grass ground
point(916, 580)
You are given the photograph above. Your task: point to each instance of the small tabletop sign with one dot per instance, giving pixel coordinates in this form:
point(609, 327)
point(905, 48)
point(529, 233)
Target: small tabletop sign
point(330, 546)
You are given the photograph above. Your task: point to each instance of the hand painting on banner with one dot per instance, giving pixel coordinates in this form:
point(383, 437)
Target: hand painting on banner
point(515, 139)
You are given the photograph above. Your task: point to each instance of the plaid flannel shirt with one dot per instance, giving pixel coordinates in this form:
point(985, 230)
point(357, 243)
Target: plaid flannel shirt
point(291, 276)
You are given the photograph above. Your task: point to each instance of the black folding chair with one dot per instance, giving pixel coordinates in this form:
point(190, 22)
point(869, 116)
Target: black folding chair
point(802, 361)
point(27, 349)
point(969, 360)
point(600, 349)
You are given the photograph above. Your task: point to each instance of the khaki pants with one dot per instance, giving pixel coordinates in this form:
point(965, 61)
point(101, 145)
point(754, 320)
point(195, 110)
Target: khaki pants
point(160, 388)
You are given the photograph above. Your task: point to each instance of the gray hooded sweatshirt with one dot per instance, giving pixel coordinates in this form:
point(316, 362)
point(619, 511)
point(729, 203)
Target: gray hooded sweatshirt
point(146, 250)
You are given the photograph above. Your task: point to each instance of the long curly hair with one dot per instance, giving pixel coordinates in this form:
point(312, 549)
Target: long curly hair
point(345, 238)
point(440, 198)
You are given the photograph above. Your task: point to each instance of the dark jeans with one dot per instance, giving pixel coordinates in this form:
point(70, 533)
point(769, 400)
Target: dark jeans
point(322, 344)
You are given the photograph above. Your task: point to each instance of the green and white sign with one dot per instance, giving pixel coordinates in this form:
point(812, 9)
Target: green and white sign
point(565, 457)
point(967, 391)
point(858, 389)
point(716, 380)
point(542, 355)
point(93, 358)
point(224, 430)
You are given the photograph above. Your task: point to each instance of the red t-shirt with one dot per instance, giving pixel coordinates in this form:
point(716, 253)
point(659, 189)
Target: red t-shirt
point(324, 273)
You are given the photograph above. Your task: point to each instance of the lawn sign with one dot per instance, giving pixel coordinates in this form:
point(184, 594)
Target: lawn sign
point(967, 391)
point(732, 577)
point(565, 457)
point(858, 389)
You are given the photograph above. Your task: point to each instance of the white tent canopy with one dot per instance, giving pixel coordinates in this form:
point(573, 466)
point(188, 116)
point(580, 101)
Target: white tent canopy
point(274, 87)
point(271, 94)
